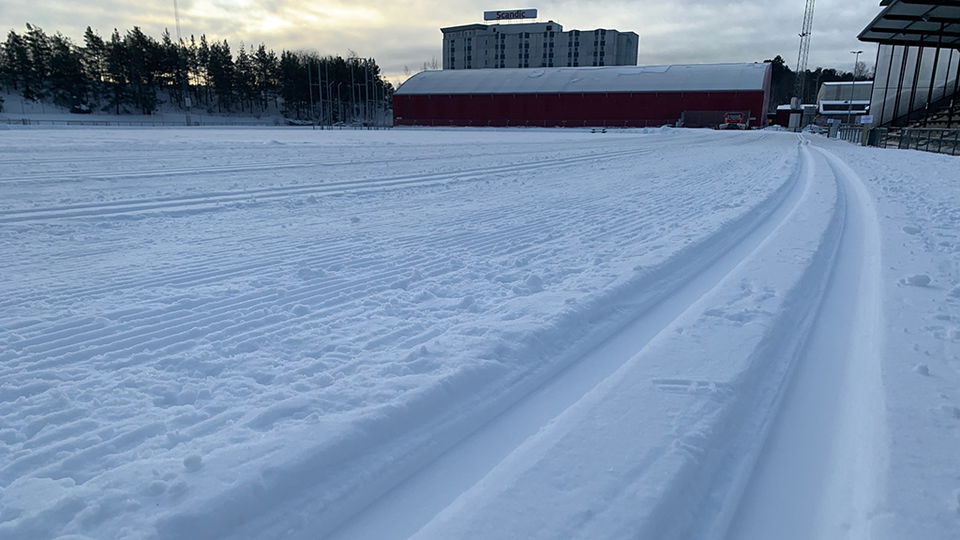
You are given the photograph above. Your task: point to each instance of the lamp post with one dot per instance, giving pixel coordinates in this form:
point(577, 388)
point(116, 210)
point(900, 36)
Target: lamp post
point(853, 82)
point(339, 102)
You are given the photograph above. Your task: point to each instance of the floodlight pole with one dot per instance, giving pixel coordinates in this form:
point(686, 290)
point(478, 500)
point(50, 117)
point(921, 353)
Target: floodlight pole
point(853, 82)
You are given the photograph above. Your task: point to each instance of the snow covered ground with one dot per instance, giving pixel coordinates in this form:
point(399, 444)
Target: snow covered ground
point(266, 333)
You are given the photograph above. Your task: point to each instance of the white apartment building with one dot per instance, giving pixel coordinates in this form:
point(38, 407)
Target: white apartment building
point(534, 45)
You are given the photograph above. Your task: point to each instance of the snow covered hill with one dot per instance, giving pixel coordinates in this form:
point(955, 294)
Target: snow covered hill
point(266, 333)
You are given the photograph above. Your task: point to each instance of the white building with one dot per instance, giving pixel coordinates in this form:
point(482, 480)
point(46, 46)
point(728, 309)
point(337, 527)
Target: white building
point(535, 45)
point(844, 98)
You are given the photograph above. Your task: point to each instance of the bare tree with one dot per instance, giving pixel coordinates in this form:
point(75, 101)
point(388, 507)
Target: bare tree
point(861, 72)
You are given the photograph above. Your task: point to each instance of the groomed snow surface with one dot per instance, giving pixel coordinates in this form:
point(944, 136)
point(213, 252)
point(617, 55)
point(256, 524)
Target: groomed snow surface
point(285, 333)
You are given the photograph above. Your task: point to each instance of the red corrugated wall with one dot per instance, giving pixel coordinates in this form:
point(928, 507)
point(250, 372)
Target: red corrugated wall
point(594, 109)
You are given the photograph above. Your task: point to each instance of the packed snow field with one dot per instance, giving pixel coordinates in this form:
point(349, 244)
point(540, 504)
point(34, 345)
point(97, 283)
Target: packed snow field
point(284, 333)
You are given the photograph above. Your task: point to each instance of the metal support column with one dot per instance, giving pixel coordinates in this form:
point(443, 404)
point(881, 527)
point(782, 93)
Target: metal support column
point(886, 85)
point(903, 69)
point(915, 85)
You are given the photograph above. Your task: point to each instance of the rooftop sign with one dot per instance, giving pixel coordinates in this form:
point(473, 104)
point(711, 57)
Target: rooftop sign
point(509, 14)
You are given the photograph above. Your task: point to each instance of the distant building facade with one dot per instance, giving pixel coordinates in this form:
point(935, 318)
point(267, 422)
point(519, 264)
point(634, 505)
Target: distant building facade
point(841, 99)
point(608, 96)
point(535, 45)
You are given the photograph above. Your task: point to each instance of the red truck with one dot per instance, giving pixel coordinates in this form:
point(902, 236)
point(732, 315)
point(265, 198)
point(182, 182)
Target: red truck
point(734, 120)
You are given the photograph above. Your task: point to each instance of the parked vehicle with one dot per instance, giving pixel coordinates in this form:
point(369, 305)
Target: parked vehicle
point(734, 120)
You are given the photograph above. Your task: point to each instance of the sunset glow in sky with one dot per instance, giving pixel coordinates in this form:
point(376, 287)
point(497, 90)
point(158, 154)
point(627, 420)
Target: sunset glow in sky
point(400, 34)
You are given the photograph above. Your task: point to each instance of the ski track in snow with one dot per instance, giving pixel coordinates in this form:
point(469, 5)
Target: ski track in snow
point(444, 334)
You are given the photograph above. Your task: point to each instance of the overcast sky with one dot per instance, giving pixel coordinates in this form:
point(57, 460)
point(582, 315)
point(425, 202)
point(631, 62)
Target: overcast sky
point(408, 34)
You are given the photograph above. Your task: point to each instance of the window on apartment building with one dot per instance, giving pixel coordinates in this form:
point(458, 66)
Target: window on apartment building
point(549, 28)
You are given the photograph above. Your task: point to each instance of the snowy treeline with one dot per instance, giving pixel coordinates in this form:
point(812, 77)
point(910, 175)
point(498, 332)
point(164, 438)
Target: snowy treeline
point(134, 73)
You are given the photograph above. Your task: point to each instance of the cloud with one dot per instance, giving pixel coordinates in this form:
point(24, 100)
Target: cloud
point(402, 34)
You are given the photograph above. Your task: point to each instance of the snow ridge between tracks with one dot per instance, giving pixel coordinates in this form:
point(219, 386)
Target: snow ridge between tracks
point(665, 445)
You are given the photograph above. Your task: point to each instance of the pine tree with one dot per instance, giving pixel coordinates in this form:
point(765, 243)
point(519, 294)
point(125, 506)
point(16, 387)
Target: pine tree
point(67, 81)
point(221, 69)
point(17, 64)
point(203, 73)
point(38, 50)
point(94, 63)
point(266, 67)
point(116, 71)
point(244, 79)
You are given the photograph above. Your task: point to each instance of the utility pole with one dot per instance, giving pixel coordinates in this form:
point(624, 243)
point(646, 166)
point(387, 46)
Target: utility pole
point(310, 90)
point(185, 85)
point(326, 75)
point(353, 92)
point(853, 82)
point(320, 90)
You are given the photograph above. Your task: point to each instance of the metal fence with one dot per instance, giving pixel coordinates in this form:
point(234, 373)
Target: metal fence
point(941, 141)
point(851, 134)
point(937, 140)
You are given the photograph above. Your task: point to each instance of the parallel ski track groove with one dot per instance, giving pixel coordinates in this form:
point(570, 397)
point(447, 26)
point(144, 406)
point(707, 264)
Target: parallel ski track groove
point(327, 188)
point(215, 321)
point(776, 210)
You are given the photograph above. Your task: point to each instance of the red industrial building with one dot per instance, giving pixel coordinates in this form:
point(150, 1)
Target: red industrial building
point(612, 96)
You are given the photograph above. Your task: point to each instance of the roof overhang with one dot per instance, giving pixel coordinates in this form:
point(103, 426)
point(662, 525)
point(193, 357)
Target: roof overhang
point(927, 23)
point(462, 27)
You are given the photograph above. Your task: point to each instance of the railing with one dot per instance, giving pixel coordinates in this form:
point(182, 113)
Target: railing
point(941, 141)
point(851, 134)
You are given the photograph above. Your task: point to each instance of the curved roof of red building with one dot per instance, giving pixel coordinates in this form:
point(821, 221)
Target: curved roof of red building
point(670, 78)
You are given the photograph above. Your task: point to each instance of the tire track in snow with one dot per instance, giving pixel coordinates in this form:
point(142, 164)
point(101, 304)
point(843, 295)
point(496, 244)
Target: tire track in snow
point(819, 473)
point(452, 467)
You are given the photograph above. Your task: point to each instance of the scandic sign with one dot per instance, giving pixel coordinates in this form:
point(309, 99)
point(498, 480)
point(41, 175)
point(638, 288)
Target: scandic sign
point(508, 14)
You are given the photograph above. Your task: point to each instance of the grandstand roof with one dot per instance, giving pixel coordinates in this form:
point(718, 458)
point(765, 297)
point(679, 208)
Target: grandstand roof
point(671, 78)
point(930, 23)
